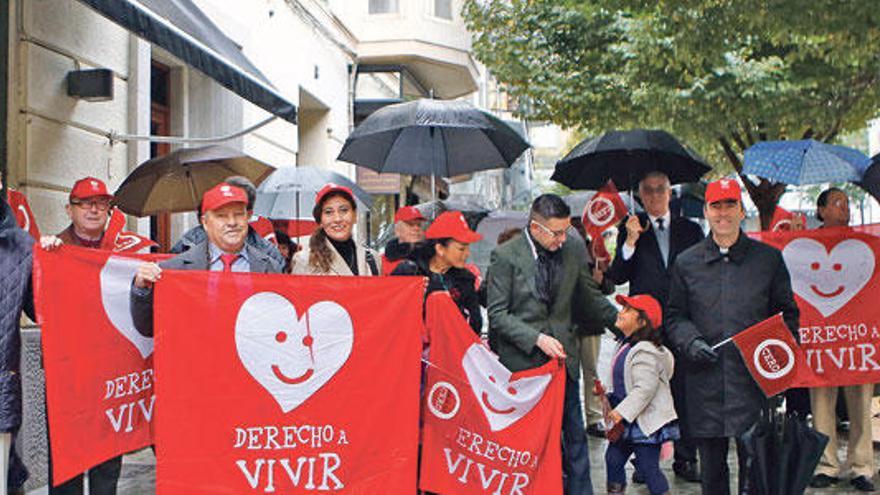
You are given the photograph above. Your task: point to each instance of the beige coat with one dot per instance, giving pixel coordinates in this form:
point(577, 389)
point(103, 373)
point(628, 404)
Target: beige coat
point(646, 374)
point(300, 263)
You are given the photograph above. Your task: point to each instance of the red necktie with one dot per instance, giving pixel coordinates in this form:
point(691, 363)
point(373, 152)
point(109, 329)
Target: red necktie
point(228, 260)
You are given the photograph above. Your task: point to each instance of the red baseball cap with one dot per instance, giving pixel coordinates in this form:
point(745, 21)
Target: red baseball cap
point(221, 195)
point(89, 187)
point(645, 303)
point(408, 214)
point(451, 224)
point(330, 188)
point(723, 190)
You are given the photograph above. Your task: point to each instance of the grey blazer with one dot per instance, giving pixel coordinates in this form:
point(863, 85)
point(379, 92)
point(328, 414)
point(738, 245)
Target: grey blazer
point(646, 374)
point(197, 258)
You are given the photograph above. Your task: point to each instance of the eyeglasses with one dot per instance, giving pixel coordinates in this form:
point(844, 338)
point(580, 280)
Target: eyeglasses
point(100, 204)
point(648, 190)
point(555, 234)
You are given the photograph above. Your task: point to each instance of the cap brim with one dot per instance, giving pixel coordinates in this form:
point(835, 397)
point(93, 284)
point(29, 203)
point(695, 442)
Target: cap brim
point(621, 299)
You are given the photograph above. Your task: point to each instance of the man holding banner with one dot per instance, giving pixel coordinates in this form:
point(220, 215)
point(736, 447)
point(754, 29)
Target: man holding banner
point(832, 209)
point(225, 220)
point(534, 281)
point(721, 286)
point(645, 256)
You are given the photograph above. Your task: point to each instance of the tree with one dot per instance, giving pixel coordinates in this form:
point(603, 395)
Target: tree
point(720, 75)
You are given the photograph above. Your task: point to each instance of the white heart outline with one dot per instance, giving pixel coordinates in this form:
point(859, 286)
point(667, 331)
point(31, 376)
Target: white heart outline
point(115, 278)
point(264, 315)
point(479, 363)
point(801, 253)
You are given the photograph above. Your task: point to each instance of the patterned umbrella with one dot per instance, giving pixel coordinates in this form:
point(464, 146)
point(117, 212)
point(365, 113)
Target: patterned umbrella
point(805, 162)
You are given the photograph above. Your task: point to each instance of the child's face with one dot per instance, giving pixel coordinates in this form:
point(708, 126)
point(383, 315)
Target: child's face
point(628, 320)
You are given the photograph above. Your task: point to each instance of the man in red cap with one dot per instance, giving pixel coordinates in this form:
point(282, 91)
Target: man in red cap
point(722, 285)
point(88, 208)
point(408, 225)
point(225, 219)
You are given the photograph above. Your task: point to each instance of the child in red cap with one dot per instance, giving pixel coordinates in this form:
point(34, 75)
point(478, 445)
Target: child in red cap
point(643, 413)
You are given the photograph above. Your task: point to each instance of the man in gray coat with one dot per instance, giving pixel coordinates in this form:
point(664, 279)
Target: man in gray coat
point(225, 220)
point(534, 281)
point(721, 286)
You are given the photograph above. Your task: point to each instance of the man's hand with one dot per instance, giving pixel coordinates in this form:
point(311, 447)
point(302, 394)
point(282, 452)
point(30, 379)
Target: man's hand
point(551, 347)
point(633, 230)
point(147, 274)
point(700, 352)
point(50, 242)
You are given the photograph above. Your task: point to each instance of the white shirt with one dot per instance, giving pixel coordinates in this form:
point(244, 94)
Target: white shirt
point(628, 251)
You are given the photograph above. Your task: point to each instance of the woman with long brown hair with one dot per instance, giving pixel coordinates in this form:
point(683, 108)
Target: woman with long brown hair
point(331, 249)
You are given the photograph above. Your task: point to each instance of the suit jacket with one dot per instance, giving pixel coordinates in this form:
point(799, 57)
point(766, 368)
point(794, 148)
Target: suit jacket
point(644, 270)
point(196, 258)
point(517, 317)
point(301, 266)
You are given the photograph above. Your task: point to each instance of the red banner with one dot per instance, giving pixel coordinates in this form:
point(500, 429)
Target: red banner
point(119, 241)
point(486, 430)
point(835, 280)
point(99, 373)
point(603, 211)
point(772, 356)
point(274, 383)
point(23, 214)
point(784, 220)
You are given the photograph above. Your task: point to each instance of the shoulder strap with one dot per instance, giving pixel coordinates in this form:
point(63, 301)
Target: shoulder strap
point(372, 262)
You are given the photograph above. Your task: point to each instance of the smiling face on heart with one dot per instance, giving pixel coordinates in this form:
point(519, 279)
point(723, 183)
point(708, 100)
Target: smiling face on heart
point(828, 280)
point(289, 356)
point(504, 402)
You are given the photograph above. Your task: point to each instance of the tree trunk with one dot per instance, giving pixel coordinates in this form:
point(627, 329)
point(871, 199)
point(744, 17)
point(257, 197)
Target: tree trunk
point(764, 194)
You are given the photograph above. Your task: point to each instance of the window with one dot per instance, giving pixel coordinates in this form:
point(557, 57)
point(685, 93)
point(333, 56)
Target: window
point(443, 9)
point(383, 6)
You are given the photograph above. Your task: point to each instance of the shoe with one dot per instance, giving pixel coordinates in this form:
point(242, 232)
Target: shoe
point(824, 481)
point(638, 478)
point(616, 488)
point(862, 484)
point(594, 430)
point(687, 471)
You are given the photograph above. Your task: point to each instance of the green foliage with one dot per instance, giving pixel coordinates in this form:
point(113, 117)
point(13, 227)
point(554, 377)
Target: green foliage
point(718, 74)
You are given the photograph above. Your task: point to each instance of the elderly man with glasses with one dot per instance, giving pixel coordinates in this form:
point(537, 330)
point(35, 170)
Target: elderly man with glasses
point(88, 208)
point(533, 282)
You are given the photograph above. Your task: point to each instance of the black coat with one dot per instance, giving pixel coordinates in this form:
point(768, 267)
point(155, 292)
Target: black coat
point(645, 270)
point(459, 282)
point(16, 294)
point(713, 297)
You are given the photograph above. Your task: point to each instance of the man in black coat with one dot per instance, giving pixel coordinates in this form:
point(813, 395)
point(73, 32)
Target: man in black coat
point(644, 258)
point(721, 286)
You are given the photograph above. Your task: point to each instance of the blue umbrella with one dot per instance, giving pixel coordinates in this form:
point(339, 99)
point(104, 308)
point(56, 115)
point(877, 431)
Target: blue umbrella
point(805, 162)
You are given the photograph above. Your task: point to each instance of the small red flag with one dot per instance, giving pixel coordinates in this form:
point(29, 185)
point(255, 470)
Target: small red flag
point(23, 214)
point(603, 210)
point(785, 220)
point(772, 356)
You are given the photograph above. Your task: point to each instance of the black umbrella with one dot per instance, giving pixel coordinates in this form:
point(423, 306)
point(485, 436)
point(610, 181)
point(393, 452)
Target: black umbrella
point(626, 157)
point(783, 452)
point(432, 138)
point(175, 182)
point(871, 178)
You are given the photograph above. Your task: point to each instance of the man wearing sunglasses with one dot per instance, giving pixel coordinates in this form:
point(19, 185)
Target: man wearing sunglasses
point(533, 282)
point(88, 208)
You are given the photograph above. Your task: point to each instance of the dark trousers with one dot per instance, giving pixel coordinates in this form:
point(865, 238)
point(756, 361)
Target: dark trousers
point(647, 462)
point(685, 447)
point(575, 454)
point(714, 473)
point(102, 480)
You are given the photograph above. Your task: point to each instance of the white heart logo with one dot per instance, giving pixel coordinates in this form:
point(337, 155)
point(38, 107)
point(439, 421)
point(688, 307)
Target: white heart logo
point(116, 279)
point(828, 280)
point(292, 358)
point(504, 402)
